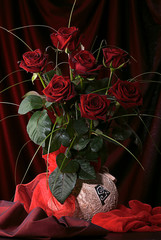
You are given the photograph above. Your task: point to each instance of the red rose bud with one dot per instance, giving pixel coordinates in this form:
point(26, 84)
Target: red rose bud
point(127, 93)
point(59, 89)
point(66, 38)
point(115, 57)
point(34, 61)
point(84, 63)
point(94, 106)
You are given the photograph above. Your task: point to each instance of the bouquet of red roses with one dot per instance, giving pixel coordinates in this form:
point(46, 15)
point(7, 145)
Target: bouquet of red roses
point(73, 115)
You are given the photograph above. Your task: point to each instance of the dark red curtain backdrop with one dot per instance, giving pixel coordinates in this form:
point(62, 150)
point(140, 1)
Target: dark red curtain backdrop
point(133, 25)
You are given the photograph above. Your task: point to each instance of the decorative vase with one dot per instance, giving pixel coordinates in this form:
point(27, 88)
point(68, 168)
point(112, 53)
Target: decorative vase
point(94, 196)
point(87, 198)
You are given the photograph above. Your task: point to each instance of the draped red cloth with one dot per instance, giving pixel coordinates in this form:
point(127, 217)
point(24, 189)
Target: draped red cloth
point(139, 217)
point(37, 194)
point(131, 25)
point(15, 222)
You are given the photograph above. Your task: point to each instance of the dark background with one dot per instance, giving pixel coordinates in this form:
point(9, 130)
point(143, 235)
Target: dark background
point(132, 25)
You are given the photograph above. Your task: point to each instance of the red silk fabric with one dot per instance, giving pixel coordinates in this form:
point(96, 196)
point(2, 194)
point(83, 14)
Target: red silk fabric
point(50, 159)
point(37, 194)
point(139, 217)
point(131, 25)
point(16, 223)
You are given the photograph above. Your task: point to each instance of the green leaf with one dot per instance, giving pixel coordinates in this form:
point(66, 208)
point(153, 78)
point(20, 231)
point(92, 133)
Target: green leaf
point(34, 76)
point(76, 81)
point(95, 123)
point(49, 75)
point(98, 131)
point(59, 137)
point(63, 137)
point(103, 155)
point(91, 79)
point(121, 133)
point(54, 145)
point(86, 154)
point(59, 120)
point(29, 103)
point(70, 129)
point(81, 144)
point(62, 184)
point(39, 127)
point(87, 171)
point(58, 71)
point(96, 144)
point(80, 126)
point(91, 156)
point(48, 104)
point(66, 165)
point(68, 153)
point(61, 160)
point(97, 86)
point(33, 93)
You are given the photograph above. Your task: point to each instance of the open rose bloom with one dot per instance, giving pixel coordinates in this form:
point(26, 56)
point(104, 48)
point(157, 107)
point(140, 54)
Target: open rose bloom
point(115, 57)
point(84, 63)
point(72, 118)
point(66, 38)
point(34, 61)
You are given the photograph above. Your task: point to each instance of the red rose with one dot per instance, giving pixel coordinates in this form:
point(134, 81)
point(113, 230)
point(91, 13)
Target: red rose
point(66, 38)
point(34, 61)
point(114, 57)
point(94, 106)
point(59, 89)
point(84, 63)
point(127, 93)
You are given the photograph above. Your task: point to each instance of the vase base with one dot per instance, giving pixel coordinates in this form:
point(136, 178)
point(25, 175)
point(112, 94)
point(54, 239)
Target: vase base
point(95, 196)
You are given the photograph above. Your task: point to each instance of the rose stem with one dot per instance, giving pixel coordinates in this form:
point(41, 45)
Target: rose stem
point(109, 81)
point(91, 126)
point(81, 82)
point(76, 111)
point(71, 74)
point(41, 79)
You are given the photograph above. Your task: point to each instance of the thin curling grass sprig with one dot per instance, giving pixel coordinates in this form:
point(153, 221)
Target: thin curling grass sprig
point(32, 26)
point(8, 75)
point(14, 85)
point(147, 80)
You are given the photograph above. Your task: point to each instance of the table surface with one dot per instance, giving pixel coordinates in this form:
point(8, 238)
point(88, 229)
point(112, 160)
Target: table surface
point(110, 236)
point(127, 236)
point(134, 236)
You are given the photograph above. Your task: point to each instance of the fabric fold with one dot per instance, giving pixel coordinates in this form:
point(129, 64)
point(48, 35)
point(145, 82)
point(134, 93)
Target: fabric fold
point(37, 194)
point(15, 222)
point(139, 217)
